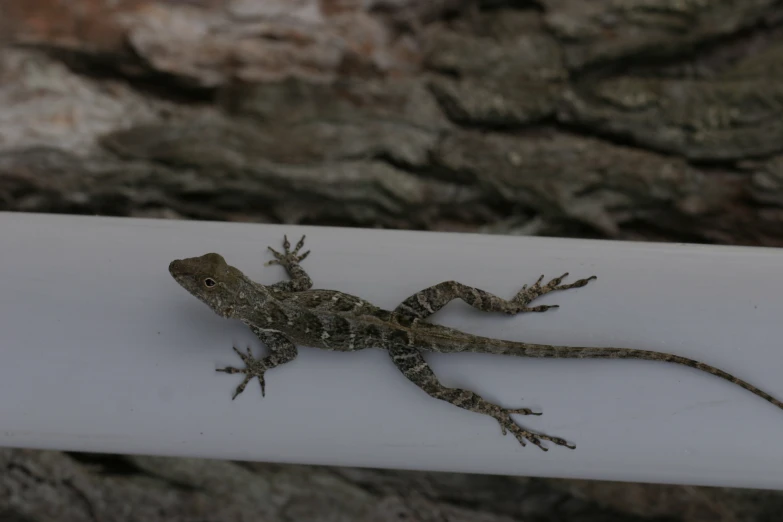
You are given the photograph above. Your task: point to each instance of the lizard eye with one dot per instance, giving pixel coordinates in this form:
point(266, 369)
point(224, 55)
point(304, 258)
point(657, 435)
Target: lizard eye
point(209, 282)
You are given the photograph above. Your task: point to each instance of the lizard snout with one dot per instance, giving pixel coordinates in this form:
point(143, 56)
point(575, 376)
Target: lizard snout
point(175, 266)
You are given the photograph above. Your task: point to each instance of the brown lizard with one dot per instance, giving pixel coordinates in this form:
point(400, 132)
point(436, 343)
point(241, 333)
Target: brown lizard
point(290, 312)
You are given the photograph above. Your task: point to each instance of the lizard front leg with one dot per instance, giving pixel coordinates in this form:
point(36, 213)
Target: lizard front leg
point(283, 351)
point(290, 261)
point(412, 364)
point(428, 301)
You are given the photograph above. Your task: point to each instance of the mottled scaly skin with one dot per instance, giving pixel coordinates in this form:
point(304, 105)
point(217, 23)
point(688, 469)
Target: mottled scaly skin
point(291, 313)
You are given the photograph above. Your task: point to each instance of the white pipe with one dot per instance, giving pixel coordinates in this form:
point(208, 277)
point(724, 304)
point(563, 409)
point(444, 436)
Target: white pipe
point(102, 351)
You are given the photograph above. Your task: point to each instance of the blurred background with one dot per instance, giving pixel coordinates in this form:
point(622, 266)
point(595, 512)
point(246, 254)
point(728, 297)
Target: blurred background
point(650, 120)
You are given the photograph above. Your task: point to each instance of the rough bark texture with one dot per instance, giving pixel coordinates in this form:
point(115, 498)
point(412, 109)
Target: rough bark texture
point(642, 119)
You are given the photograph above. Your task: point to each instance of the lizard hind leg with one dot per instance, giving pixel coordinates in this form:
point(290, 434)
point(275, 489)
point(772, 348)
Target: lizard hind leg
point(412, 364)
point(428, 301)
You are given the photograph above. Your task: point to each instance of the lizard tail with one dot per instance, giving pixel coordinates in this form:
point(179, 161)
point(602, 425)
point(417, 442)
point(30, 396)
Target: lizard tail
point(576, 352)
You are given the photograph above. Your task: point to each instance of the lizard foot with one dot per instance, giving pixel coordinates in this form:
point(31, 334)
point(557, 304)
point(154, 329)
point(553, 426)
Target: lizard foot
point(254, 368)
point(522, 435)
point(527, 295)
point(288, 258)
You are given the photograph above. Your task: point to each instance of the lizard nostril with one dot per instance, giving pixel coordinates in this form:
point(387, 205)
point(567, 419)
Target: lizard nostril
point(174, 265)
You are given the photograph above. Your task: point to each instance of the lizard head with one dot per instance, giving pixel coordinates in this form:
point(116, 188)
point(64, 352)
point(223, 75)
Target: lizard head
point(211, 280)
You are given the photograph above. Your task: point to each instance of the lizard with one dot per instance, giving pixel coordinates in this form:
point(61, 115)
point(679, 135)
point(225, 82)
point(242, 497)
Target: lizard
point(290, 313)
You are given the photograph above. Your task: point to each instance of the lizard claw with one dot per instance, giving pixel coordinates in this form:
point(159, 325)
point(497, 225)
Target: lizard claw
point(507, 424)
point(288, 256)
point(528, 294)
point(262, 382)
point(253, 368)
point(518, 411)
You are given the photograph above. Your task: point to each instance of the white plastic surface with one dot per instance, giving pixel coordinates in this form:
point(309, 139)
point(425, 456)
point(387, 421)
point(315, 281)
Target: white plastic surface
point(100, 350)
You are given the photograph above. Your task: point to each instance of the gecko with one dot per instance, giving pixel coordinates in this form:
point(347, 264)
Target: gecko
point(290, 313)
